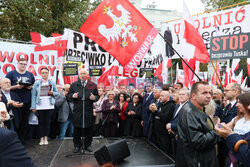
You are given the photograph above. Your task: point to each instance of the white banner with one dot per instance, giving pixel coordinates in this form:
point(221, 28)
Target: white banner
point(87, 53)
point(225, 22)
point(11, 52)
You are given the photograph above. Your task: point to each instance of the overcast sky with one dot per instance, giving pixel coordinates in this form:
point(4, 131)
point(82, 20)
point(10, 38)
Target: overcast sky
point(194, 6)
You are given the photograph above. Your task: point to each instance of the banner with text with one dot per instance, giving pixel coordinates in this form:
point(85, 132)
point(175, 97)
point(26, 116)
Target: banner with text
point(234, 21)
point(11, 52)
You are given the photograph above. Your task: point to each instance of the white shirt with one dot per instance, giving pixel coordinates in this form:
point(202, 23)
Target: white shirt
point(241, 126)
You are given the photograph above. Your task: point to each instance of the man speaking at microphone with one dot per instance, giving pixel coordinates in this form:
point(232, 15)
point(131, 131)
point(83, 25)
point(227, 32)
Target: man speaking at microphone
point(83, 94)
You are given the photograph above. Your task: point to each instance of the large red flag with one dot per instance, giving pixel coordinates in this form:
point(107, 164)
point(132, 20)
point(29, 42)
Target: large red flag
point(119, 28)
point(193, 37)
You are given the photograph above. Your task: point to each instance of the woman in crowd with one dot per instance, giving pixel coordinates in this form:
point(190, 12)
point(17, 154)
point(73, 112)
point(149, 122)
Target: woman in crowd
point(110, 110)
point(241, 123)
point(97, 106)
point(42, 103)
point(123, 106)
point(134, 113)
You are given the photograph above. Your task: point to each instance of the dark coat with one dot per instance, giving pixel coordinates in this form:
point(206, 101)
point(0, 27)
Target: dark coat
point(110, 115)
point(243, 154)
point(174, 119)
point(162, 116)
point(133, 123)
point(78, 103)
point(12, 152)
point(228, 115)
point(146, 113)
point(16, 111)
point(196, 142)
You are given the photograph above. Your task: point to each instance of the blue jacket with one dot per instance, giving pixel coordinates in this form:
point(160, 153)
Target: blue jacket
point(174, 120)
point(227, 116)
point(243, 155)
point(35, 97)
point(12, 152)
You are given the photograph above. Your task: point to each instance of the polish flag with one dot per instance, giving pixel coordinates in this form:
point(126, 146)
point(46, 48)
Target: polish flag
point(112, 70)
point(119, 28)
point(197, 49)
point(234, 66)
point(248, 66)
point(188, 74)
point(58, 43)
point(244, 85)
point(228, 77)
point(159, 70)
point(238, 79)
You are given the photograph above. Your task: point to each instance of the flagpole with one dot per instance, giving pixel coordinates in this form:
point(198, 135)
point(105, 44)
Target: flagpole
point(180, 57)
point(217, 75)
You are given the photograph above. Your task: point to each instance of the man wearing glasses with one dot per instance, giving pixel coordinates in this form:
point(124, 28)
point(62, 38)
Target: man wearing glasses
point(21, 82)
point(230, 111)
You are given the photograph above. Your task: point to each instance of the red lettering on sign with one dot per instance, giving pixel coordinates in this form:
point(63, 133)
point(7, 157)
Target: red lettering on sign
point(45, 59)
point(6, 66)
point(6, 55)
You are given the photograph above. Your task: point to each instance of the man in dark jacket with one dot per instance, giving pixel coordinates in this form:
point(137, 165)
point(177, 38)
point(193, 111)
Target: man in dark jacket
point(197, 137)
point(162, 115)
point(83, 93)
point(12, 152)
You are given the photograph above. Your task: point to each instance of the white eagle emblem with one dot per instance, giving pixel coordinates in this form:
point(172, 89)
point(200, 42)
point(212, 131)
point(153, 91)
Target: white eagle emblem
point(121, 27)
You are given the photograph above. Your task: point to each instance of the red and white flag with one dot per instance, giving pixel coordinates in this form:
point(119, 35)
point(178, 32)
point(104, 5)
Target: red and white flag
point(162, 69)
point(58, 43)
point(188, 74)
point(238, 79)
point(197, 48)
point(119, 28)
point(228, 77)
point(107, 77)
point(234, 66)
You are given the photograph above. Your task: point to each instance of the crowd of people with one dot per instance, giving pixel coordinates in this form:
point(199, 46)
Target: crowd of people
point(203, 126)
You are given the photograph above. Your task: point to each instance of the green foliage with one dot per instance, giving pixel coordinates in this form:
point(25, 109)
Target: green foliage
point(20, 17)
point(215, 4)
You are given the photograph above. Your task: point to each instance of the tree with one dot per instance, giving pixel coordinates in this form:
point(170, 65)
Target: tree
point(20, 17)
point(216, 4)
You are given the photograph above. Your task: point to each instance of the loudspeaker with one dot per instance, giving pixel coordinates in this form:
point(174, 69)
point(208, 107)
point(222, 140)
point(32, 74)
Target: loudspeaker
point(113, 152)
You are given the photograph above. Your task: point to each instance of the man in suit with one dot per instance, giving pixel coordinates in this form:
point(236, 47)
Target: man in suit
point(12, 152)
point(83, 93)
point(145, 108)
point(162, 115)
point(13, 103)
point(151, 134)
point(172, 126)
point(230, 111)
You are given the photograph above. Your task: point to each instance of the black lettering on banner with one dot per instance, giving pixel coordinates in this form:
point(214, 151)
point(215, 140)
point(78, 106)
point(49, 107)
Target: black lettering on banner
point(77, 39)
point(88, 43)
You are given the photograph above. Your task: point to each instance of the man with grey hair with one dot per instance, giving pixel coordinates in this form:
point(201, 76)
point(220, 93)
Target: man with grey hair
point(162, 115)
point(83, 93)
point(230, 111)
point(13, 103)
point(217, 96)
point(172, 125)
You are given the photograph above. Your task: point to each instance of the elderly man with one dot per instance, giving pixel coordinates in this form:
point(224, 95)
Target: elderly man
point(162, 115)
point(217, 96)
point(196, 134)
point(65, 111)
point(172, 126)
point(83, 93)
point(230, 111)
point(145, 108)
point(13, 102)
point(151, 134)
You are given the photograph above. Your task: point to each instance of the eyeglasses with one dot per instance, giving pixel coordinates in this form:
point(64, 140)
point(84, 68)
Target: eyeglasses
point(23, 64)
